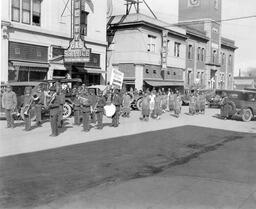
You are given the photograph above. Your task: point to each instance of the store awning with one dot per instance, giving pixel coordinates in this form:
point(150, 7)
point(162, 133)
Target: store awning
point(165, 83)
point(129, 82)
point(30, 64)
point(91, 70)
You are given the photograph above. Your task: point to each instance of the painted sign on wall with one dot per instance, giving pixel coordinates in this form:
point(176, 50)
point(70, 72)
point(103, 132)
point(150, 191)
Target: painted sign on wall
point(77, 51)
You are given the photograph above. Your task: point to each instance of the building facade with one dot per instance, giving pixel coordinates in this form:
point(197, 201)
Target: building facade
point(217, 68)
point(36, 33)
point(149, 53)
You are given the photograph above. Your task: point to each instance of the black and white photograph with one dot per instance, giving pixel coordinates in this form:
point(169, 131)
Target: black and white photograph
point(128, 104)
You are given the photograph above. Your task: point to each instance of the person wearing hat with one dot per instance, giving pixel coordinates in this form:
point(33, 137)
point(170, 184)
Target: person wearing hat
point(86, 104)
point(61, 96)
point(27, 105)
point(101, 102)
point(9, 103)
point(117, 100)
point(54, 111)
point(38, 105)
point(93, 98)
point(77, 107)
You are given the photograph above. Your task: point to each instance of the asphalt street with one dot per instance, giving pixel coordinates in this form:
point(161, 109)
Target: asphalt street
point(174, 166)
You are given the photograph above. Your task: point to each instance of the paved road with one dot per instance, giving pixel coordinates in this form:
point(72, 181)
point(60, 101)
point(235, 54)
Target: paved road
point(50, 178)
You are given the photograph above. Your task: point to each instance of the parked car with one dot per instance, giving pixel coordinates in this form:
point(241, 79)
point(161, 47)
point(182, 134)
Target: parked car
point(244, 103)
point(19, 88)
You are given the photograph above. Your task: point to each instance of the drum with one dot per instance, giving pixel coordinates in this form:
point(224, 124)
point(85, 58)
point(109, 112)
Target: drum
point(109, 110)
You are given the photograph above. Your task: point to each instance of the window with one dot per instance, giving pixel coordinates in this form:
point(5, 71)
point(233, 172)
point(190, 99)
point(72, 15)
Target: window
point(214, 56)
point(230, 60)
point(147, 71)
point(26, 11)
point(36, 14)
point(198, 53)
point(223, 56)
point(177, 49)
point(84, 21)
point(202, 54)
point(26, 8)
point(151, 43)
point(154, 71)
point(174, 73)
point(16, 10)
point(190, 49)
point(216, 4)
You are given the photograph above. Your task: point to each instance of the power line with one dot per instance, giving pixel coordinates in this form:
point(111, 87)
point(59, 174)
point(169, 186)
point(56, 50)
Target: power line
point(196, 22)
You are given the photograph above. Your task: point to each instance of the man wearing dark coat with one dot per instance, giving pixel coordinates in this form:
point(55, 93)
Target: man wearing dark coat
point(86, 103)
point(117, 100)
point(101, 102)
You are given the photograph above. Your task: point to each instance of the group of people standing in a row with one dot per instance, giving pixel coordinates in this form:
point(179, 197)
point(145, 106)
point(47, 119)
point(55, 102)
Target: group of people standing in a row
point(155, 103)
point(88, 106)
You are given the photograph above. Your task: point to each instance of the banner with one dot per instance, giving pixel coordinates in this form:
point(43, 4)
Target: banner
point(116, 78)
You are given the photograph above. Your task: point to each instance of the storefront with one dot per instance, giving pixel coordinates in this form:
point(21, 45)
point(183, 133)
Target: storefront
point(27, 62)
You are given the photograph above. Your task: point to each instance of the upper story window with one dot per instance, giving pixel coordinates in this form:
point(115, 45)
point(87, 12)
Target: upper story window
point(230, 59)
point(177, 49)
point(202, 54)
point(214, 57)
point(216, 4)
point(151, 43)
point(223, 56)
point(190, 51)
point(198, 53)
point(26, 11)
point(84, 22)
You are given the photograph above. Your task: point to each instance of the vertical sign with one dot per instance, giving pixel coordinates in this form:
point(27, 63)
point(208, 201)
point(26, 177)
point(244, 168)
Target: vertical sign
point(77, 52)
point(164, 51)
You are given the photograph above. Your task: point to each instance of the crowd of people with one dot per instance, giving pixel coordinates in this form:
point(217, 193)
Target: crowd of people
point(89, 105)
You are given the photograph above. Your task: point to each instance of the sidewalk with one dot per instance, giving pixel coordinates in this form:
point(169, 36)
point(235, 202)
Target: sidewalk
point(17, 141)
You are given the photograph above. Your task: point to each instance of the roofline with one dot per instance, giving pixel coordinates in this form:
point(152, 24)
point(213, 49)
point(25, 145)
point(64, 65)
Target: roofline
point(142, 22)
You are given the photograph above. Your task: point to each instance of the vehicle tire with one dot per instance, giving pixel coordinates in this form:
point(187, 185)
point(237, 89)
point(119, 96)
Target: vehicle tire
point(246, 115)
point(32, 113)
point(139, 103)
point(67, 110)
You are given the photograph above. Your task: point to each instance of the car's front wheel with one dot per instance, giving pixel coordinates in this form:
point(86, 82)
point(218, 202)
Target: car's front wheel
point(67, 110)
point(246, 115)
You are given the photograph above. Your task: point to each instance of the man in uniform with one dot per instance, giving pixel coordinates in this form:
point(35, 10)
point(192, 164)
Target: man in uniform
point(38, 105)
point(9, 103)
point(77, 107)
point(61, 96)
point(117, 100)
point(101, 102)
point(54, 110)
point(27, 105)
point(93, 97)
point(86, 110)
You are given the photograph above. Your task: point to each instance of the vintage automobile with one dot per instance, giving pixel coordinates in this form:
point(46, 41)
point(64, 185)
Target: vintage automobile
point(243, 103)
point(19, 87)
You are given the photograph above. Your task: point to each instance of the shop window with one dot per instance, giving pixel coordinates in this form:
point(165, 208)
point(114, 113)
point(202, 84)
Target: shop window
point(177, 49)
point(57, 51)
point(168, 72)
point(190, 49)
point(38, 53)
point(16, 10)
point(84, 21)
point(17, 50)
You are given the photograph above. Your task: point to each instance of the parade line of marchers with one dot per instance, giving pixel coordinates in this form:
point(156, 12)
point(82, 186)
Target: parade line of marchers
point(90, 107)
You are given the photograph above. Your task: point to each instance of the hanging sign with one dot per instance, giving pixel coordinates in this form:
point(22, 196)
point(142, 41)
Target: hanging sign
point(116, 78)
point(77, 51)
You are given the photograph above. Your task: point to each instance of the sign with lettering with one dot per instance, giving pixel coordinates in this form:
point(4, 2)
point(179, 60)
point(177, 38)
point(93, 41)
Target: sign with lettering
point(164, 49)
point(116, 78)
point(77, 51)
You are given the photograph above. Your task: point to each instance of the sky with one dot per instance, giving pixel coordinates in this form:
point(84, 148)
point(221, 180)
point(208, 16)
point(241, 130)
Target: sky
point(243, 32)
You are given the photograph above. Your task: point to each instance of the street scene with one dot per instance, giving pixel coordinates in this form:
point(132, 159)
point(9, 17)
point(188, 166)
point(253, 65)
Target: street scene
point(127, 104)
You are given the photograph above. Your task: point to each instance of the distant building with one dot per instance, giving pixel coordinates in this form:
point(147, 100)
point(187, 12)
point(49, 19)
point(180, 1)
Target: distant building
point(148, 51)
point(213, 63)
point(36, 33)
